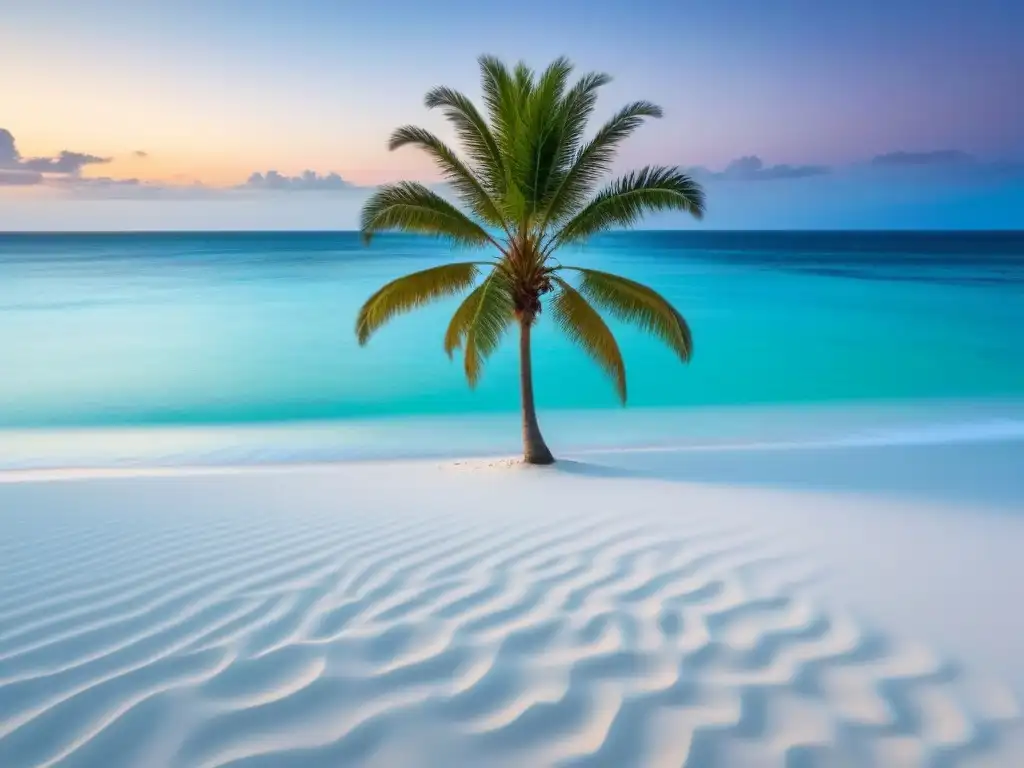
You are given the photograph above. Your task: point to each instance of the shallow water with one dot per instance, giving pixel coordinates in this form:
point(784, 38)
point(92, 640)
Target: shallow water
point(251, 331)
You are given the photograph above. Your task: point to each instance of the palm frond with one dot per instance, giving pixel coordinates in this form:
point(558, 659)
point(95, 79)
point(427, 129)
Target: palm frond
point(635, 303)
point(412, 291)
point(578, 320)
point(474, 134)
point(410, 207)
point(523, 78)
point(573, 113)
point(537, 143)
point(459, 325)
point(502, 98)
point(469, 188)
point(625, 201)
point(480, 322)
point(594, 159)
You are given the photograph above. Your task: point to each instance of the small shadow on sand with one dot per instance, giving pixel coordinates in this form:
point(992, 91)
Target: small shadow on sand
point(588, 469)
point(987, 472)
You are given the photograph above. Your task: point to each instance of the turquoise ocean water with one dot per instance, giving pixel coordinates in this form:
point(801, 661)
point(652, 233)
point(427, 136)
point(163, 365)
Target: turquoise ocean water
point(241, 345)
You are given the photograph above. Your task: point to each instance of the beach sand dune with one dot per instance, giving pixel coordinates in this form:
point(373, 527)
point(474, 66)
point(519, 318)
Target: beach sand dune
point(482, 614)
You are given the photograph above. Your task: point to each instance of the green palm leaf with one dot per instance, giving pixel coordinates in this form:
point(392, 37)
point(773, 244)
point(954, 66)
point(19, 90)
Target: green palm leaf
point(412, 291)
point(469, 188)
point(507, 96)
point(538, 142)
point(480, 322)
point(578, 320)
point(474, 134)
point(503, 94)
point(625, 201)
point(635, 303)
point(410, 207)
point(463, 318)
point(571, 121)
point(594, 159)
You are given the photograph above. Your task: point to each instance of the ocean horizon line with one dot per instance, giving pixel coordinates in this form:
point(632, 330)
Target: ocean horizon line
point(612, 233)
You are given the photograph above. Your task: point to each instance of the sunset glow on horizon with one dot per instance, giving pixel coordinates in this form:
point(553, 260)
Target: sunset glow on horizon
point(203, 95)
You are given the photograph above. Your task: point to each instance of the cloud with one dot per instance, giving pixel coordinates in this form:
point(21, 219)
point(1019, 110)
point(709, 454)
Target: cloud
point(100, 181)
point(944, 165)
point(107, 188)
point(933, 166)
point(9, 178)
point(141, 154)
point(24, 171)
point(307, 180)
point(752, 168)
point(9, 154)
point(12, 174)
point(942, 157)
point(66, 163)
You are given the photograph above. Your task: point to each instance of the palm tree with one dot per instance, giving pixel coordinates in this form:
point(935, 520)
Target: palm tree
point(527, 187)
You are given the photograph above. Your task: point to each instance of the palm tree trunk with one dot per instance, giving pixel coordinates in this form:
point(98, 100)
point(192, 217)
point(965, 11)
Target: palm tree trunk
point(535, 450)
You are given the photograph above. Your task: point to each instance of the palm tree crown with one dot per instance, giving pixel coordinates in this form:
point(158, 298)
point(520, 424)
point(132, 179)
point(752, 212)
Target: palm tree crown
point(527, 184)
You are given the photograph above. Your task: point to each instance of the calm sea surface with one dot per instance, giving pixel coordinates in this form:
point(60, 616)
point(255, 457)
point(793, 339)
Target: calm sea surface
point(255, 330)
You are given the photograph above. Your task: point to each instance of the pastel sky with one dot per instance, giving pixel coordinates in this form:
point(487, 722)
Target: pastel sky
point(146, 114)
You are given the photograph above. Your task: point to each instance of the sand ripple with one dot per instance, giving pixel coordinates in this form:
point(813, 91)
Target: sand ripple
point(258, 628)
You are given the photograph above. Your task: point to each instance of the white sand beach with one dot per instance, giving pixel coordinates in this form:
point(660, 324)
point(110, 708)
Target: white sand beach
point(855, 606)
